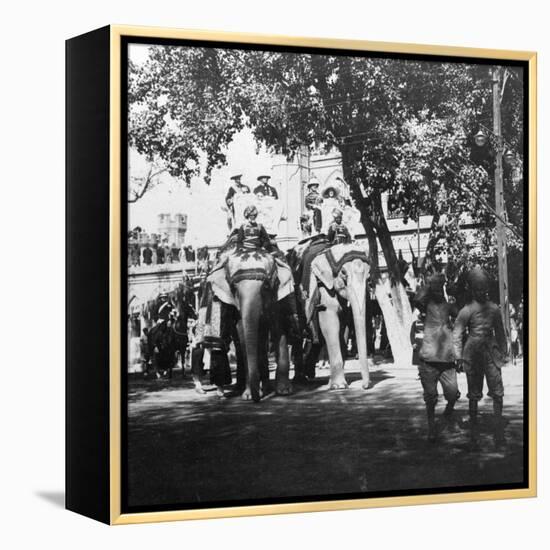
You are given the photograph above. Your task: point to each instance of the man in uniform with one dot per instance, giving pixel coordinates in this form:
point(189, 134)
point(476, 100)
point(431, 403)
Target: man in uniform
point(485, 350)
point(236, 188)
point(165, 307)
point(312, 194)
point(436, 352)
point(265, 189)
point(338, 233)
point(312, 202)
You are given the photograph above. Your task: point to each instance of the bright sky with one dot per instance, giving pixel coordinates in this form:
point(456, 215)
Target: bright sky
point(202, 203)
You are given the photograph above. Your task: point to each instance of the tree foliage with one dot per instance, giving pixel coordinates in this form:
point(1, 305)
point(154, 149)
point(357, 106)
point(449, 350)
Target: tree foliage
point(184, 103)
point(403, 127)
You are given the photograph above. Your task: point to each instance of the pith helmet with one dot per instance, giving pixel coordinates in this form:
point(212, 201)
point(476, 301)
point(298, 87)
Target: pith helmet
point(478, 279)
point(313, 182)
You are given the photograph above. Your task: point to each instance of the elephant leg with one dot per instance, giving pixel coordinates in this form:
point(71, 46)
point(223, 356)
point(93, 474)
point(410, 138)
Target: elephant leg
point(330, 327)
point(282, 381)
point(263, 358)
point(239, 353)
point(247, 394)
point(251, 362)
point(253, 343)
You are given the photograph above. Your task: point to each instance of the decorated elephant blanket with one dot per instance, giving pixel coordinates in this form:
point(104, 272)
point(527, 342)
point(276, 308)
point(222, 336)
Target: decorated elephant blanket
point(239, 265)
point(326, 268)
point(306, 253)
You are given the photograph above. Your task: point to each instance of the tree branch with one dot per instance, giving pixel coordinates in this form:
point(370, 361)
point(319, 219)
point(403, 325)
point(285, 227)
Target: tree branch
point(148, 181)
point(488, 207)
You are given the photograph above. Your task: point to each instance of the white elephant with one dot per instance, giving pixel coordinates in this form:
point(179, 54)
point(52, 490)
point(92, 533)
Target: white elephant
point(340, 271)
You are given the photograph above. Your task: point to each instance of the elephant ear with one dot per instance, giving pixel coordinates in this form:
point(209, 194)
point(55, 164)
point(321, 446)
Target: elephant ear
point(321, 268)
point(221, 286)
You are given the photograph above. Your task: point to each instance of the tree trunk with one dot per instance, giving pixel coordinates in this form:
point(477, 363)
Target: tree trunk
point(390, 294)
point(394, 303)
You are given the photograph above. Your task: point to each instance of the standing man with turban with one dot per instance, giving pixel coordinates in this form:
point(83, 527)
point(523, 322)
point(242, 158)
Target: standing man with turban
point(436, 353)
point(484, 352)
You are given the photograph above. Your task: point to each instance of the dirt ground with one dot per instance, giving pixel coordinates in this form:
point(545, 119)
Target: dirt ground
point(189, 448)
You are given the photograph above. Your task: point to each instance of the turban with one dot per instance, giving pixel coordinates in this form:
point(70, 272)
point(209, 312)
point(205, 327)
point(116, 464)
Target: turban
point(250, 210)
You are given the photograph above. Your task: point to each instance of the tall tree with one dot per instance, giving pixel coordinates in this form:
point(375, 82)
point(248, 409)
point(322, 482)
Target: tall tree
point(399, 125)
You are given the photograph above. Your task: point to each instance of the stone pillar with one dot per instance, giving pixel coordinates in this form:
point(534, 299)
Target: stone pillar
point(290, 178)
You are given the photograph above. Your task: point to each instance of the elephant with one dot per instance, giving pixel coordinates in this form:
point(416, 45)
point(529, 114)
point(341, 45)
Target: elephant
point(338, 272)
point(256, 283)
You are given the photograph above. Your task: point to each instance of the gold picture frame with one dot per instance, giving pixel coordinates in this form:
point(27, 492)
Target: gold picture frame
point(116, 34)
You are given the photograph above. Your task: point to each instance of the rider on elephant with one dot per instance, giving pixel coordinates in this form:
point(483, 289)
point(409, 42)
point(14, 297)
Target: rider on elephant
point(251, 234)
point(338, 233)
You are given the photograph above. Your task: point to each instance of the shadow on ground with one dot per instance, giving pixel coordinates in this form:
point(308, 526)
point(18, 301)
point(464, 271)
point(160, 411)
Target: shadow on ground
point(57, 498)
point(190, 448)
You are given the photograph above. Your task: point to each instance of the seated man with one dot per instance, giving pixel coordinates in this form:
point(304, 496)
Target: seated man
point(338, 233)
point(251, 234)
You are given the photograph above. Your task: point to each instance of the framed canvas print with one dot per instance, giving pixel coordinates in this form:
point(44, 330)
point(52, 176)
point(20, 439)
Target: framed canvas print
point(300, 274)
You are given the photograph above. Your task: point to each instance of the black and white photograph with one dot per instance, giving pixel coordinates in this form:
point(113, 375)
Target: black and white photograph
point(325, 274)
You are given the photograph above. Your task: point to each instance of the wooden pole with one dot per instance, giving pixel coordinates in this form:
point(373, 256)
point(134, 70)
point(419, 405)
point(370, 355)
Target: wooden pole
point(499, 206)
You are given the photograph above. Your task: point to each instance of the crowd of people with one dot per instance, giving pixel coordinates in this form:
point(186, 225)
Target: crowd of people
point(152, 250)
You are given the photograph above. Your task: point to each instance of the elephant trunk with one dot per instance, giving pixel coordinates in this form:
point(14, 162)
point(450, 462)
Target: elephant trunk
point(250, 302)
